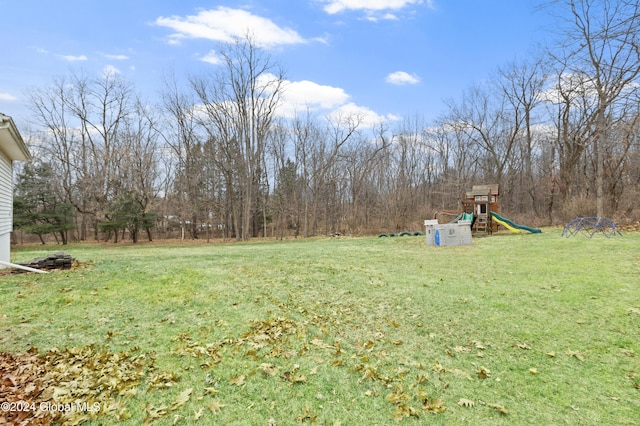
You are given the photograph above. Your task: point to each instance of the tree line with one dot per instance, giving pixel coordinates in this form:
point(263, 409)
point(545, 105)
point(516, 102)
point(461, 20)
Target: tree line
point(216, 159)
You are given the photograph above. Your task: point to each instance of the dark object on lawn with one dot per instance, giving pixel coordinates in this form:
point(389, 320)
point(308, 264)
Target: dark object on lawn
point(402, 234)
point(59, 260)
point(589, 226)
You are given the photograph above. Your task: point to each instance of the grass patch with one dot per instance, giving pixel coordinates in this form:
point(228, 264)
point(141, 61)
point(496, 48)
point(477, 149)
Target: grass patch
point(514, 329)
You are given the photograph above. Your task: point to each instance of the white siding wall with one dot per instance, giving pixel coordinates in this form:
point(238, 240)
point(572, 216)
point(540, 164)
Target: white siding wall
point(6, 207)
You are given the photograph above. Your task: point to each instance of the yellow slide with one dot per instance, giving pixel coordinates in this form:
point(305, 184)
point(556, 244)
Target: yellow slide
point(506, 225)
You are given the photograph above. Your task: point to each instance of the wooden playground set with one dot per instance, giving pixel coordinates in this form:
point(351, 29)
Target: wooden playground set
point(480, 207)
point(479, 215)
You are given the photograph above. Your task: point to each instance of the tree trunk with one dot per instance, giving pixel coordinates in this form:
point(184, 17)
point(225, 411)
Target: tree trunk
point(597, 148)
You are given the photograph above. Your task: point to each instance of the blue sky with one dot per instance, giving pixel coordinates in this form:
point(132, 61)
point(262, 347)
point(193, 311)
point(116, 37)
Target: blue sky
point(384, 58)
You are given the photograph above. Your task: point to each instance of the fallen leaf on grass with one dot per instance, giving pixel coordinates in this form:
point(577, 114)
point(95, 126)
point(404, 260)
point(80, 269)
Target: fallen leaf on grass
point(211, 391)
point(269, 369)
point(338, 350)
point(433, 405)
point(398, 396)
point(627, 352)
point(483, 373)
point(478, 345)
point(182, 399)
point(438, 368)
point(197, 414)
point(307, 415)
point(499, 408)
point(163, 380)
point(466, 403)
point(320, 343)
point(462, 349)
point(421, 378)
point(403, 411)
point(575, 354)
point(215, 407)
point(154, 413)
point(116, 410)
point(237, 381)
point(533, 371)
point(130, 392)
point(369, 372)
point(294, 378)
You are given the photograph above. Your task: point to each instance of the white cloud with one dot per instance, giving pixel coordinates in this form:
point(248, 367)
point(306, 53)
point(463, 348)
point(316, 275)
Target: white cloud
point(332, 102)
point(368, 117)
point(386, 17)
point(212, 58)
point(110, 70)
point(401, 78)
point(72, 58)
point(7, 97)
point(115, 57)
point(337, 6)
point(224, 24)
point(314, 95)
point(325, 101)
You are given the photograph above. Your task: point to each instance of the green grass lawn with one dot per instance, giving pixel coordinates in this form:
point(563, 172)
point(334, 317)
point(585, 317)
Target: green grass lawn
point(514, 329)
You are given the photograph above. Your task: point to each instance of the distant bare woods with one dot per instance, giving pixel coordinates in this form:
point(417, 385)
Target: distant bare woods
point(215, 157)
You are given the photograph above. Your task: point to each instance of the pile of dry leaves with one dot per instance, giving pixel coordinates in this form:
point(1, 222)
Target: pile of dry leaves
point(68, 387)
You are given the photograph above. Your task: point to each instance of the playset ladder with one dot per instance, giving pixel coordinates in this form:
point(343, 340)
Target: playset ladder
point(482, 223)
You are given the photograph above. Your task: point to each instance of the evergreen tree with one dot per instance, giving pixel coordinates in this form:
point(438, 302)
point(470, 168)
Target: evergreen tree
point(38, 208)
point(127, 213)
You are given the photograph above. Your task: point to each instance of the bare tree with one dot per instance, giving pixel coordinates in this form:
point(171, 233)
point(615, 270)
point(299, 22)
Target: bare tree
point(523, 85)
point(327, 182)
point(100, 105)
point(181, 135)
point(305, 134)
point(490, 123)
point(58, 140)
point(360, 159)
point(83, 116)
point(240, 102)
point(411, 169)
point(139, 171)
point(602, 42)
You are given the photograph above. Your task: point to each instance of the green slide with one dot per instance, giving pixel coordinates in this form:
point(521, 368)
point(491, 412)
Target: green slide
point(509, 224)
point(463, 216)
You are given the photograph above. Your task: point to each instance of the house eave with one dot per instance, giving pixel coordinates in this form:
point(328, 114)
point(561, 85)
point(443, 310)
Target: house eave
point(11, 143)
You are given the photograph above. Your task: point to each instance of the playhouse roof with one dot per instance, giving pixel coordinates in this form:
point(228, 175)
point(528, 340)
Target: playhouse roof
point(493, 188)
point(11, 143)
